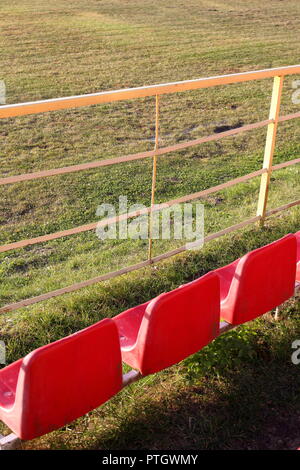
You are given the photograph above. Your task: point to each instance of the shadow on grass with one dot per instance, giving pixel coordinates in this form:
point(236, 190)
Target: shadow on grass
point(254, 408)
point(248, 402)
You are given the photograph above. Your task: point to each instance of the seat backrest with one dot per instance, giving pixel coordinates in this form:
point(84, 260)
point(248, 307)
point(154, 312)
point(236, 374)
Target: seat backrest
point(179, 323)
point(64, 380)
point(264, 279)
point(298, 246)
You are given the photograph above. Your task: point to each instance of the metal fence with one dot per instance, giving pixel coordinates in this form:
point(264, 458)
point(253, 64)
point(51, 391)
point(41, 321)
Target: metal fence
point(22, 109)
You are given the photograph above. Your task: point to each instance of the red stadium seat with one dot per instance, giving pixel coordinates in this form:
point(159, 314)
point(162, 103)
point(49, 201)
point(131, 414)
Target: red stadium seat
point(258, 282)
point(298, 257)
point(61, 381)
point(171, 327)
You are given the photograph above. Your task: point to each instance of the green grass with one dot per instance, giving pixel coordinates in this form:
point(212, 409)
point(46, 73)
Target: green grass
point(67, 48)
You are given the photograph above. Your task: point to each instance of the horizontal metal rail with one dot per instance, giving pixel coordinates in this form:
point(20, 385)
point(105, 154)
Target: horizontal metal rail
point(129, 215)
point(111, 275)
point(56, 104)
point(133, 157)
point(279, 166)
point(288, 117)
point(137, 266)
point(137, 156)
point(283, 208)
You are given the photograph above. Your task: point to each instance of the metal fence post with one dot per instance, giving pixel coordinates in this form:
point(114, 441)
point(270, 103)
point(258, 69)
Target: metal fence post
point(153, 176)
point(269, 147)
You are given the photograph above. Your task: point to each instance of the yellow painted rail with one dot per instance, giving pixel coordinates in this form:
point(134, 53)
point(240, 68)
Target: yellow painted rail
point(278, 74)
point(35, 107)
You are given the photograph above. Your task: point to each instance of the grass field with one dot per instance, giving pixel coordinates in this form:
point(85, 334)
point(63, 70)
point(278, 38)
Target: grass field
point(66, 48)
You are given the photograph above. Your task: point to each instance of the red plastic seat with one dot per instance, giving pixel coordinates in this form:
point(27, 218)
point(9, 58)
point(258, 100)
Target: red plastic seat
point(298, 257)
point(258, 282)
point(171, 327)
point(61, 381)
